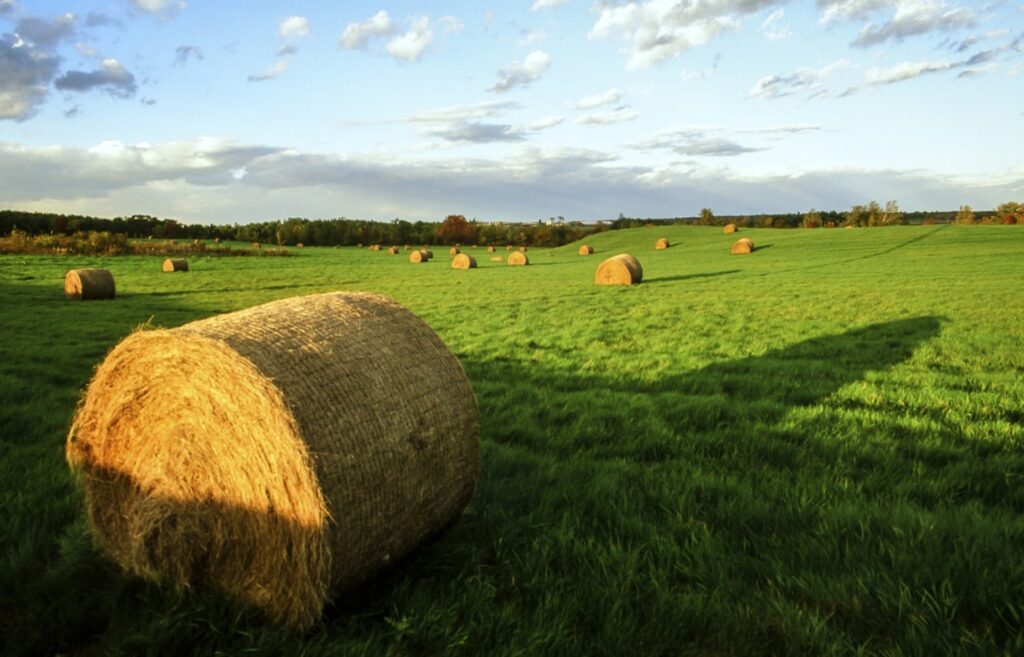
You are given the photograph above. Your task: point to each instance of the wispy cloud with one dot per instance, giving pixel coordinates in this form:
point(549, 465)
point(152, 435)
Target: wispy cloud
point(772, 29)
point(606, 98)
point(618, 115)
point(183, 53)
point(358, 35)
point(908, 18)
point(160, 8)
point(805, 81)
point(272, 71)
point(521, 74)
point(539, 5)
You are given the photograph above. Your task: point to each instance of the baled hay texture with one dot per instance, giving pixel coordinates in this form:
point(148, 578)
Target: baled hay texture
point(586, 249)
point(393, 250)
point(490, 248)
point(522, 249)
point(453, 251)
point(255, 245)
point(273, 453)
point(463, 261)
point(375, 247)
point(728, 229)
point(497, 259)
point(85, 284)
point(418, 256)
point(742, 245)
point(299, 245)
point(622, 269)
point(175, 264)
point(661, 244)
point(518, 258)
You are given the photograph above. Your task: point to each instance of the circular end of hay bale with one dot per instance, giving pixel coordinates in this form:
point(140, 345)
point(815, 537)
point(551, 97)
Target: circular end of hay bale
point(175, 264)
point(393, 250)
point(490, 248)
point(518, 258)
point(508, 247)
point(418, 256)
point(728, 229)
point(586, 249)
point(255, 245)
point(88, 284)
point(622, 269)
point(299, 245)
point(742, 246)
point(661, 244)
point(522, 249)
point(194, 447)
point(463, 261)
point(453, 251)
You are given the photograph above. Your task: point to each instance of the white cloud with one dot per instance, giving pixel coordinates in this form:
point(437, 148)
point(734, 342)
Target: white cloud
point(909, 18)
point(596, 100)
point(617, 115)
point(161, 8)
point(450, 24)
point(293, 27)
point(272, 71)
point(532, 36)
point(486, 109)
point(836, 10)
point(410, 46)
point(656, 30)
point(547, 4)
point(521, 74)
point(903, 71)
point(805, 81)
point(25, 75)
point(356, 35)
point(772, 30)
point(545, 123)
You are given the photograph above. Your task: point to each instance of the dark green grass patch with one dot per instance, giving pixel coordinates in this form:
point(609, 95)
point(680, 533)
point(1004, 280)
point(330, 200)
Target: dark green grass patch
point(817, 449)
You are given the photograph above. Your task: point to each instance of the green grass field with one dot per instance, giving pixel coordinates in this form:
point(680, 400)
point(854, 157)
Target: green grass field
point(817, 449)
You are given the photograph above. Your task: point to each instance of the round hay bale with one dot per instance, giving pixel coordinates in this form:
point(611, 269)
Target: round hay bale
point(216, 240)
point(273, 453)
point(419, 256)
point(586, 249)
point(175, 264)
point(393, 250)
point(453, 251)
point(255, 245)
point(428, 253)
point(518, 258)
point(622, 269)
point(86, 284)
point(522, 249)
point(508, 247)
point(299, 245)
point(743, 245)
point(497, 258)
point(661, 244)
point(490, 248)
point(463, 261)
point(729, 229)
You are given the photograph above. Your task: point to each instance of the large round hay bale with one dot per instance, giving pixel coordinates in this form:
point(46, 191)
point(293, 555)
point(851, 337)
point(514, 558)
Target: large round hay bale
point(490, 248)
point(661, 244)
point(428, 253)
point(622, 269)
point(86, 284)
point(586, 249)
point(175, 264)
point(729, 229)
point(453, 251)
point(463, 261)
point(277, 453)
point(518, 258)
point(419, 256)
point(742, 246)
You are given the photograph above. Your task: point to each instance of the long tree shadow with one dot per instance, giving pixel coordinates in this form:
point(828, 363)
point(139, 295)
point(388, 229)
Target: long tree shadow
point(688, 277)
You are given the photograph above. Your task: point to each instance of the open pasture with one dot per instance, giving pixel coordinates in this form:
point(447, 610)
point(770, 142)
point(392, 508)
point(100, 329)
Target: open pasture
point(817, 448)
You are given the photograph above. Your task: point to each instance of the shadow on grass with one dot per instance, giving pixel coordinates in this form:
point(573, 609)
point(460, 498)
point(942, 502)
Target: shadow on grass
point(687, 277)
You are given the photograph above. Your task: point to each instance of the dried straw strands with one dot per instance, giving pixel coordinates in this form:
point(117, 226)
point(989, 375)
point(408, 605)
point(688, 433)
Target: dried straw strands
point(622, 269)
point(175, 264)
point(273, 453)
point(742, 246)
point(86, 284)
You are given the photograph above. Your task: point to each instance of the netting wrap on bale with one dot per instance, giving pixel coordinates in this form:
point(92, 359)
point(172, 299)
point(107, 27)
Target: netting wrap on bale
point(622, 269)
point(175, 264)
point(276, 453)
point(86, 284)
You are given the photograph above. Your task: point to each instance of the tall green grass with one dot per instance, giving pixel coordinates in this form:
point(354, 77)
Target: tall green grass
point(816, 449)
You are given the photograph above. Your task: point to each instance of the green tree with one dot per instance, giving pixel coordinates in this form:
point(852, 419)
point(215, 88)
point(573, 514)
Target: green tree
point(707, 217)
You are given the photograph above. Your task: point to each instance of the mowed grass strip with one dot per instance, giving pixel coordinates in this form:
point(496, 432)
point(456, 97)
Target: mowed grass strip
point(814, 449)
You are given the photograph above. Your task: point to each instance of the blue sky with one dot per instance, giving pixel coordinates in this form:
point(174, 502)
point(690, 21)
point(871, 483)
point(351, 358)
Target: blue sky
point(221, 112)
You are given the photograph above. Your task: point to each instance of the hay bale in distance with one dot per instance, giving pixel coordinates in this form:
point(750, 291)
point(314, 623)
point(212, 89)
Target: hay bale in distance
point(729, 229)
point(508, 247)
point(393, 250)
point(216, 240)
point(255, 245)
point(175, 493)
point(87, 284)
point(175, 264)
point(453, 251)
point(428, 253)
point(463, 261)
point(419, 256)
point(622, 269)
point(299, 245)
point(742, 246)
point(586, 249)
point(497, 258)
point(518, 258)
point(661, 244)
point(490, 248)
point(522, 249)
